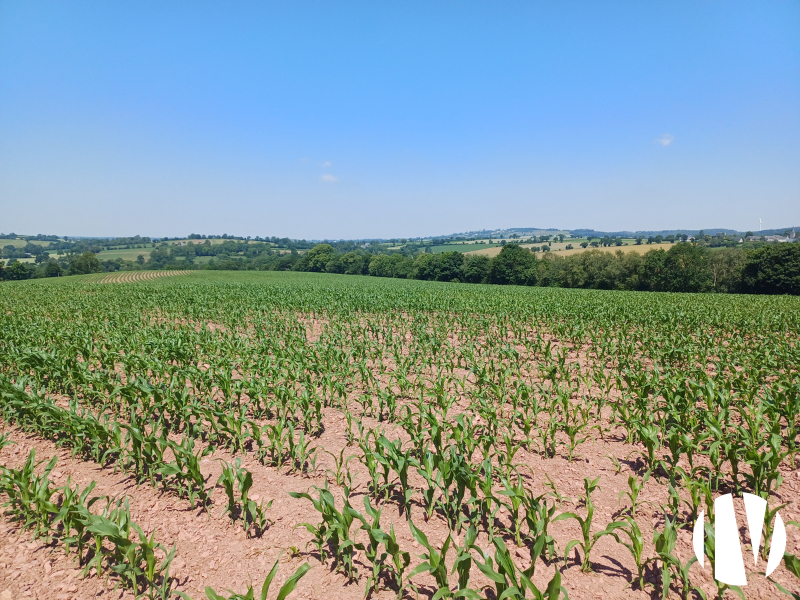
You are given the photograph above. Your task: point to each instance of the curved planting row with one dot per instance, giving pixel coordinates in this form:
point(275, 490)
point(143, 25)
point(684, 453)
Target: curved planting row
point(135, 276)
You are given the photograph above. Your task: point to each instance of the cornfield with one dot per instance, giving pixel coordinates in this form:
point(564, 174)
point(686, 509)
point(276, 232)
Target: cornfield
point(390, 438)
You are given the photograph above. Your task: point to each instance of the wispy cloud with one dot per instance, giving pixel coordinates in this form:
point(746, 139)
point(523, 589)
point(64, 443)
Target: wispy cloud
point(665, 140)
point(328, 178)
point(327, 164)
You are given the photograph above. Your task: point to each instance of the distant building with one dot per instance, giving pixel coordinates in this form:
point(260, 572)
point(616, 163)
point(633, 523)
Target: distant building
point(781, 239)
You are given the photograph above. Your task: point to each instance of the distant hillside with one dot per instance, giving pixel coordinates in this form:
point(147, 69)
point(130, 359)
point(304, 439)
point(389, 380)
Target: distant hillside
point(503, 233)
point(665, 232)
point(531, 231)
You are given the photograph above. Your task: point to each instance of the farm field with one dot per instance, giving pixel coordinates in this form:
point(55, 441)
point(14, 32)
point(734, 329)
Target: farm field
point(23, 243)
point(190, 432)
point(212, 241)
point(463, 247)
point(560, 248)
point(125, 253)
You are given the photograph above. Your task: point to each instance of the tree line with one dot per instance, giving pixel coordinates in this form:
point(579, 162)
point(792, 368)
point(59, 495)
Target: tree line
point(685, 267)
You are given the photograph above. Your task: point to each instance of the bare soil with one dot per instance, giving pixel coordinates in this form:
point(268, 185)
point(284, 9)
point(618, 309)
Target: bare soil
point(212, 551)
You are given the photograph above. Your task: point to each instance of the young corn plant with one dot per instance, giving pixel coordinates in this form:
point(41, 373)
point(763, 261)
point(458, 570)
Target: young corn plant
point(185, 472)
point(339, 471)
point(769, 523)
point(434, 563)
point(400, 560)
point(30, 497)
point(574, 431)
point(323, 531)
point(376, 537)
point(538, 517)
point(334, 530)
point(635, 486)
point(516, 494)
point(588, 538)
point(229, 478)
point(72, 515)
point(664, 542)
point(635, 546)
point(300, 452)
point(286, 589)
point(370, 460)
point(235, 478)
point(428, 468)
point(512, 583)
point(400, 461)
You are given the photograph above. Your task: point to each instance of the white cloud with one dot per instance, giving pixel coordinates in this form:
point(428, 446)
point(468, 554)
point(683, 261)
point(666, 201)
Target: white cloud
point(665, 140)
point(328, 178)
point(327, 164)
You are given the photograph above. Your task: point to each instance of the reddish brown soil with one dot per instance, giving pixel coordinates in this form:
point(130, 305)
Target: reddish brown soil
point(212, 551)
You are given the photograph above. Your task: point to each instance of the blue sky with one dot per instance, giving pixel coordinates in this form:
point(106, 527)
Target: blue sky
point(391, 119)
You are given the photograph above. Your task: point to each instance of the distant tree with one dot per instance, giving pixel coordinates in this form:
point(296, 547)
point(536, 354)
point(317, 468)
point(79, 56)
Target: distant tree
point(514, 265)
point(748, 234)
point(335, 265)
point(425, 267)
point(140, 259)
point(476, 268)
point(391, 265)
point(355, 263)
point(318, 257)
point(287, 261)
point(51, 269)
point(568, 247)
point(84, 264)
point(450, 267)
point(726, 266)
point(686, 269)
point(584, 244)
point(652, 277)
point(773, 270)
point(18, 271)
